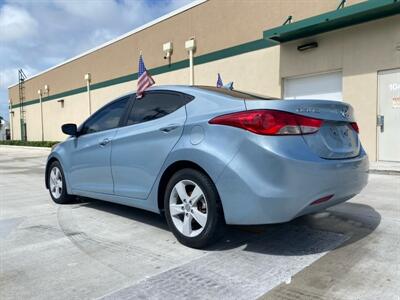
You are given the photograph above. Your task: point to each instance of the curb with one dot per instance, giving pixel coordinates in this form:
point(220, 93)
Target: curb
point(384, 172)
point(25, 147)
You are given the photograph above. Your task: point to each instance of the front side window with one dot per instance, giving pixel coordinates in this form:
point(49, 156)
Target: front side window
point(153, 106)
point(106, 118)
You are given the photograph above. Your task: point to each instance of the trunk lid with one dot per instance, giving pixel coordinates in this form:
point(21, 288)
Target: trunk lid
point(336, 139)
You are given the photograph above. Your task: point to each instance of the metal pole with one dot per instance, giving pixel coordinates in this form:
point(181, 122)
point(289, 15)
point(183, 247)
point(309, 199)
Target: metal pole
point(88, 78)
point(41, 112)
point(89, 97)
point(191, 67)
point(11, 120)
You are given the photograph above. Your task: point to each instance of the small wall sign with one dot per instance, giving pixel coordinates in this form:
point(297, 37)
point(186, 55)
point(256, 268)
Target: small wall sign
point(396, 102)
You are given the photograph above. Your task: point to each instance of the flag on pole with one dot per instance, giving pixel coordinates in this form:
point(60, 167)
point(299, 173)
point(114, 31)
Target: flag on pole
point(228, 85)
point(219, 81)
point(144, 79)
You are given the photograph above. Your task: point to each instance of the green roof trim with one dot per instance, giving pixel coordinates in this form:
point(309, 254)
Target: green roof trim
point(340, 18)
point(198, 60)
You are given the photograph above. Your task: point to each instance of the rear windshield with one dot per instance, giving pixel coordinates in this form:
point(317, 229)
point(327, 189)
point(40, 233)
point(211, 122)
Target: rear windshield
point(235, 93)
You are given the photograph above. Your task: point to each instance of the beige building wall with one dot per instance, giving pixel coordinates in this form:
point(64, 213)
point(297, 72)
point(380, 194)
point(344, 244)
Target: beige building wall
point(102, 96)
point(349, 50)
point(33, 124)
point(255, 71)
point(216, 25)
point(359, 52)
point(75, 109)
point(15, 127)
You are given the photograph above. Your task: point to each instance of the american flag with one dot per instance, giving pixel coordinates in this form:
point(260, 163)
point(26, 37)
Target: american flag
point(219, 81)
point(144, 79)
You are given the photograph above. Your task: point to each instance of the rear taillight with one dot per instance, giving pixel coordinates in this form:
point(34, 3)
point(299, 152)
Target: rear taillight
point(270, 122)
point(355, 127)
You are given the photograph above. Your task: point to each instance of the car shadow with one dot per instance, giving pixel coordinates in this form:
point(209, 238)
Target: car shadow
point(135, 214)
point(336, 227)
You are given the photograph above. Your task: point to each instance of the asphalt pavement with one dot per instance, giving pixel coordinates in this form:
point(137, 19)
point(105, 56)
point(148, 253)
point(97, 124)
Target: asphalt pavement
point(93, 249)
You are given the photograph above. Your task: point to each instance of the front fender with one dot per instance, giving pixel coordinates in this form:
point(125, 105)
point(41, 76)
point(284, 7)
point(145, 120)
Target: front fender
point(55, 155)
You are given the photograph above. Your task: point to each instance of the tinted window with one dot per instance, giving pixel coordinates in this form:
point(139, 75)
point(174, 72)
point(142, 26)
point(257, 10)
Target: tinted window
point(106, 118)
point(153, 106)
point(235, 93)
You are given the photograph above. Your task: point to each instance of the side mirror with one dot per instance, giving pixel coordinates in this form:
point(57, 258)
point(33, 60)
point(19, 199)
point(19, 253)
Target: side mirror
point(70, 129)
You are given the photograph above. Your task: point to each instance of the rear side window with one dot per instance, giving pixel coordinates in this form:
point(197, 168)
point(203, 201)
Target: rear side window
point(106, 118)
point(154, 106)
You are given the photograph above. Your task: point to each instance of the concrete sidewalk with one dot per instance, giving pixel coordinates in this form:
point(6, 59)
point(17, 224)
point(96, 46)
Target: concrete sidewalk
point(385, 167)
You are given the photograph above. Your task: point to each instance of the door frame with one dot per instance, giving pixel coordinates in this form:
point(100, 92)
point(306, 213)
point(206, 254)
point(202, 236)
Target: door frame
point(378, 112)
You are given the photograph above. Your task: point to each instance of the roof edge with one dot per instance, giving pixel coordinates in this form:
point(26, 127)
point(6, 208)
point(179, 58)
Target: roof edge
point(355, 14)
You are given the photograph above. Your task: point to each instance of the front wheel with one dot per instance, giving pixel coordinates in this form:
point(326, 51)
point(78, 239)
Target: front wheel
point(57, 185)
point(193, 208)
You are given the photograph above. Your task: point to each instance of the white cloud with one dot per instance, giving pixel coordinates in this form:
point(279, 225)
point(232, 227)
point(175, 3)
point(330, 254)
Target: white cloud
point(16, 24)
point(7, 77)
point(10, 76)
point(92, 10)
point(100, 36)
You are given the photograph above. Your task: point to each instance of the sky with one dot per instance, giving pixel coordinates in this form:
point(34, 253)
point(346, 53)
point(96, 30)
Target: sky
point(38, 34)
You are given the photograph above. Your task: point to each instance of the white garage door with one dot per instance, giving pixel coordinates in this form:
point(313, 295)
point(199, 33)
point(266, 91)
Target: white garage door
point(327, 86)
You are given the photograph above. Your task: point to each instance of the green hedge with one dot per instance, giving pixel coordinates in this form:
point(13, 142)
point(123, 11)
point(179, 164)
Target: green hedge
point(29, 143)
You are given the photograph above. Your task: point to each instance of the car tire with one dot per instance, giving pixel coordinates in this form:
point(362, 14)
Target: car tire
point(193, 209)
point(57, 185)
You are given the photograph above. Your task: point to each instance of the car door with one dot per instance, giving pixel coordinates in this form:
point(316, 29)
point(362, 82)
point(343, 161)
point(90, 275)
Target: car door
point(90, 169)
point(154, 125)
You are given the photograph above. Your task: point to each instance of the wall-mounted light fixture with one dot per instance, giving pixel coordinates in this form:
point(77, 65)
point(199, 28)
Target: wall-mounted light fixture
point(307, 46)
point(190, 46)
point(62, 102)
point(46, 89)
point(87, 77)
point(168, 49)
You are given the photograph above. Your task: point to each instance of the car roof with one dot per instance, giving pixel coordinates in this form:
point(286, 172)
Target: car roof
point(207, 90)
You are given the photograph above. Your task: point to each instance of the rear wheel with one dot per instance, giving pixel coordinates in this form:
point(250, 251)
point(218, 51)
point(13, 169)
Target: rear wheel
point(57, 185)
point(193, 210)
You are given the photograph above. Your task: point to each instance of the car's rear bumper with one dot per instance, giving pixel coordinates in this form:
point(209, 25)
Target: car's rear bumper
point(273, 184)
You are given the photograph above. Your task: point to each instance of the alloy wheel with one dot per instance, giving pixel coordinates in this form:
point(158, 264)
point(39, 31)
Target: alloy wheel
point(188, 208)
point(56, 183)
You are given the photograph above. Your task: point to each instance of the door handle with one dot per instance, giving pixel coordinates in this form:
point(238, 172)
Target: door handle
point(169, 128)
point(104, 142)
